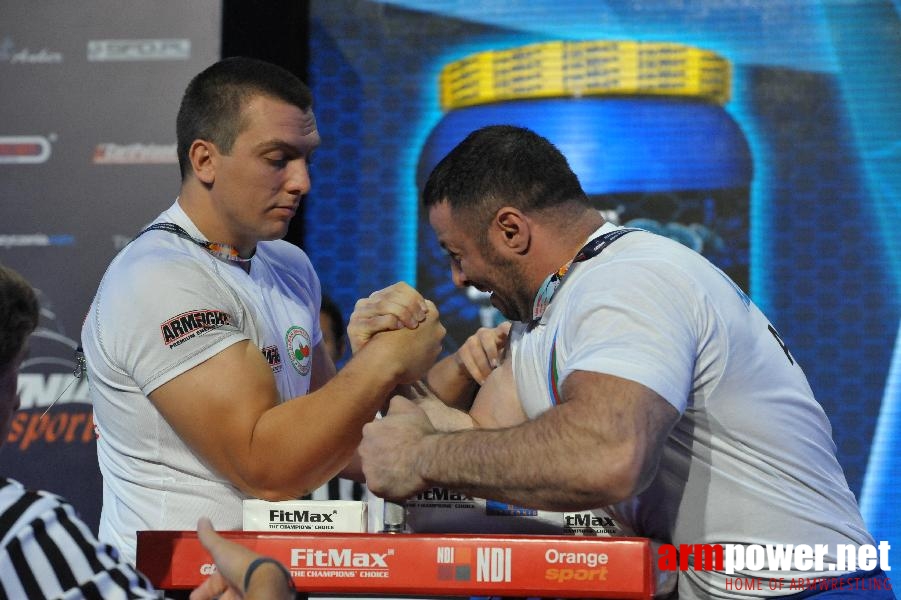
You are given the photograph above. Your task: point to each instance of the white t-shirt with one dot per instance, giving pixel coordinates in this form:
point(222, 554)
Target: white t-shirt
point(751, 461)
point(164, 306)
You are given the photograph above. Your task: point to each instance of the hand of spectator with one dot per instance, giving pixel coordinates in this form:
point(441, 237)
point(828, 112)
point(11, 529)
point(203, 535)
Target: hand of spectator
point(483, 351)
point(240, 572)
point(394, 307)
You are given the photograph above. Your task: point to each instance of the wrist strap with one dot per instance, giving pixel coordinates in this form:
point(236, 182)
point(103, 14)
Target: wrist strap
point(261, 561)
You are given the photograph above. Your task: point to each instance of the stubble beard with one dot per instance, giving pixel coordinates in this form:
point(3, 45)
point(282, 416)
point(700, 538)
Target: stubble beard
point(516, 300)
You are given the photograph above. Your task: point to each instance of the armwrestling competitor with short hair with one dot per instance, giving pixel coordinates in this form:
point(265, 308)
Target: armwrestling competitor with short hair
point(208, 377)
point(642, 380)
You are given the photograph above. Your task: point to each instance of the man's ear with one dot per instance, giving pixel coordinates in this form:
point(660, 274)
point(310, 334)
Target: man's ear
point(202, 155)
point(514, 229)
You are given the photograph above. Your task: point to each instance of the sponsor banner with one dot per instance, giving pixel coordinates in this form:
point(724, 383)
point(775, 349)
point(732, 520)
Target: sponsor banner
point(414, 564)
point(55, 407)
point(343, 516)
point(440, 510)
point(139, 50)
point(134, 154)
point(35, 240)
point(24, 149)
point(65, 211)
point(69, 426)
point(15, 54)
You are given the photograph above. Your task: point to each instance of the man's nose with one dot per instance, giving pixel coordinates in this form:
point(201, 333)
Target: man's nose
point(299, 178)
point(458, 277)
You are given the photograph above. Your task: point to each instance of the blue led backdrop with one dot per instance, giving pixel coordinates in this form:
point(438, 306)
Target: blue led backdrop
point(790, 183)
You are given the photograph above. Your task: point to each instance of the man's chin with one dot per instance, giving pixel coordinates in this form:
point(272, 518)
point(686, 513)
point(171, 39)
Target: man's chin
point(278, 233)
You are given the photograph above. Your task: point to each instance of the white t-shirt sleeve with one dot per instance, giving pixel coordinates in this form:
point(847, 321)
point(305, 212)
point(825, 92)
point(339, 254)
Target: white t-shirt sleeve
point(634, 322)
point(164, 316)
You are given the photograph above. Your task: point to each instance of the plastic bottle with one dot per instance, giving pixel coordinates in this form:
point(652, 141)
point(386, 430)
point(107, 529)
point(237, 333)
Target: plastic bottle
point(642, 124)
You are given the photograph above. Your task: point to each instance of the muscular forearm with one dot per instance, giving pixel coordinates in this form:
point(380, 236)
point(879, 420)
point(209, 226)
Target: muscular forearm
point(313, 437)
point(599, 446)
point(228, 412)
point(541, 464)
point(452, 383)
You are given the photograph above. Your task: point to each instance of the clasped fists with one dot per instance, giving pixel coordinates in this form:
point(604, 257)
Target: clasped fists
point(403, 325)
point(394, 307)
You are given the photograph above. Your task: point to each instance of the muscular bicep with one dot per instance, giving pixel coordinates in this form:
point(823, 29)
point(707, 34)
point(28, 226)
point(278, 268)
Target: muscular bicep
point(215, 407)
point(628, 422)
point(497, 404)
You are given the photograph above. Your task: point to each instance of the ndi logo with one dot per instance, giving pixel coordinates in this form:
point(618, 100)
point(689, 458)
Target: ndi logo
point(493, 564)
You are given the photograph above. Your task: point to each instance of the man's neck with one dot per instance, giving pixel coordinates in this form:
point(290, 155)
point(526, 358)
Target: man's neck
point(569, 237)
point(560, 244)
point(198, 206)
point(199, 214)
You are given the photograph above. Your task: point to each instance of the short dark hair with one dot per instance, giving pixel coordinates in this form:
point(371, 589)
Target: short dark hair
point(211, 107)
point(503, 164)
point(19, 314)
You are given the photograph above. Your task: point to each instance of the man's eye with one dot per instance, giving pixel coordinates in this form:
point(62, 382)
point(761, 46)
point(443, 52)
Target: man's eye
point(278, 161)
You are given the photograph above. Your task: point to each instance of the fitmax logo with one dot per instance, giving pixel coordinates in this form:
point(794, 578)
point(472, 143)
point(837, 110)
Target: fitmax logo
point(339, 558)
point(442, 494)
point(588, 520)
point(300, 516)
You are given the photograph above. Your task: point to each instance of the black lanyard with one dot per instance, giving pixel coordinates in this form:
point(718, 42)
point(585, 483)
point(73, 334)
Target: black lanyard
point(553, 282)
point(217, 249)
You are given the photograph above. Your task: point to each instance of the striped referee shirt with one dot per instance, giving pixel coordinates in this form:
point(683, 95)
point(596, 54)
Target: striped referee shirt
point(48, 552)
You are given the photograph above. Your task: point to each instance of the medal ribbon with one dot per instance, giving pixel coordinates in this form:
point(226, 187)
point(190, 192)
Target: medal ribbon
point(553, 281)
